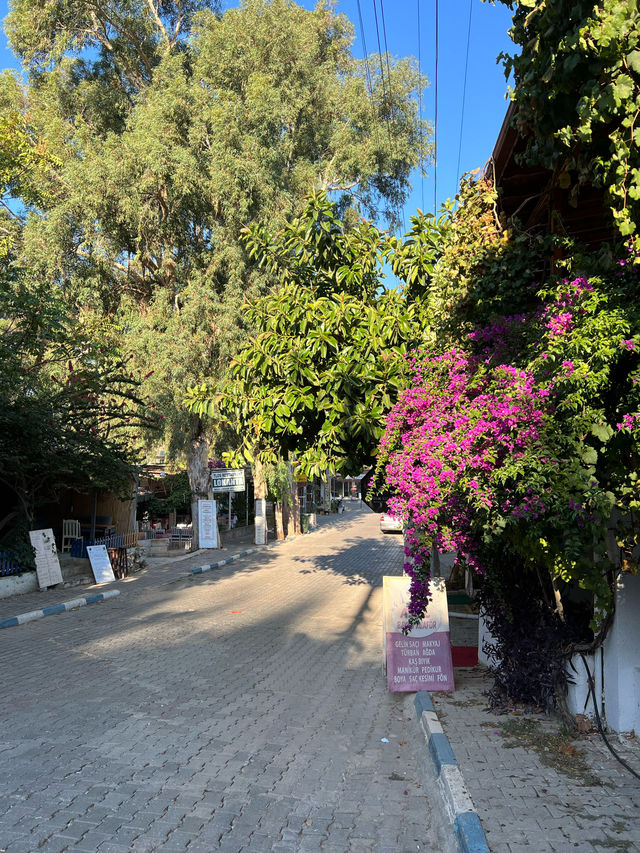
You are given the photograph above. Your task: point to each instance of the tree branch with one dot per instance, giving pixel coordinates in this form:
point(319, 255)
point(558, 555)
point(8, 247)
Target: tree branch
point(158, 21)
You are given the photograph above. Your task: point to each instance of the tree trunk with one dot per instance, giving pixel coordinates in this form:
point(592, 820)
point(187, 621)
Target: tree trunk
point(260, 494)
point(294, 502)
point(279, 522)
point(199, 476)
point(286, 515)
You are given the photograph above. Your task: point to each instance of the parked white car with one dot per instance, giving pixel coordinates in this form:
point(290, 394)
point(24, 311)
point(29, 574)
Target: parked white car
point(390, 524)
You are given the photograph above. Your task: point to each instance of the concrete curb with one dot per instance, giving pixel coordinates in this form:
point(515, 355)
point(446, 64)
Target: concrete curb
point(217, 565)
point(466, 823)
point(63, 606)
point(225, 562)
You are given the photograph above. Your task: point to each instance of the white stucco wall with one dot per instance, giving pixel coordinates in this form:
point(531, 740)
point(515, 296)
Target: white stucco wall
point(617, 663)
point(18, 584)
point(622, 659)
point(578, 698)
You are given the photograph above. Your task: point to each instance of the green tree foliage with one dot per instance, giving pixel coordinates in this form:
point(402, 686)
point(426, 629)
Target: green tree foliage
point(557, 516)
point(228, 120)
point(577, 89)
point(329, 356)
point(70, 407)
point(178, 498)
point(485, 268)
point(413, 257)
point(99, 56)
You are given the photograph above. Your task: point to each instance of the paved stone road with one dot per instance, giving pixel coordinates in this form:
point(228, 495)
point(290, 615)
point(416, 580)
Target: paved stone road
point(239, 710)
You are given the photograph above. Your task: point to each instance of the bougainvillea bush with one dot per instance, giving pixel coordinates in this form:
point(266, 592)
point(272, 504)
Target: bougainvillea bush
point(518, 449)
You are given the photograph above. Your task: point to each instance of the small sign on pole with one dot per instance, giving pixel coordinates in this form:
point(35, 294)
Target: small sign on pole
point(421, 659)
point(227, 480)
point(100, 563)
point(47, 564)
point(207, 524)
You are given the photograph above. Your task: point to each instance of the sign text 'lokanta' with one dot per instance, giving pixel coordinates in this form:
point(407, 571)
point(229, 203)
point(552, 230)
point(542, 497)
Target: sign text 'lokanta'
point(227, 480)
point(421, 659)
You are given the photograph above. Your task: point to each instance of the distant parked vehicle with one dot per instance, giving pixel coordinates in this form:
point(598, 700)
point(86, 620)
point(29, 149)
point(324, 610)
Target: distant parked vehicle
point(390, 524)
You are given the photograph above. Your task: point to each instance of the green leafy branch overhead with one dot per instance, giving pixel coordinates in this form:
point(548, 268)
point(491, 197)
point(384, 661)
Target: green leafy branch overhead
point(329, 356)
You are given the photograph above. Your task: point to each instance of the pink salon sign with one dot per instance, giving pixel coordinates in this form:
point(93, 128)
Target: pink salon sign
point(420, 660)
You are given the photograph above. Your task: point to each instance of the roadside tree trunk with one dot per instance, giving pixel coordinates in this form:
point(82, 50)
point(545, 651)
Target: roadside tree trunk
point(260, 494)
point(278, 510)
point(294, 502)
point(198, 470)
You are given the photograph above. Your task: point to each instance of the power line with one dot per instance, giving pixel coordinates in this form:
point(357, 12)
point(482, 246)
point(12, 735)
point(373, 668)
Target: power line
point(386, 93)
point(420, 102)
point(384, 88)
point(386, 50)
point(366, 55)
point(464, 89)
point(368, 78)
point(435, 133)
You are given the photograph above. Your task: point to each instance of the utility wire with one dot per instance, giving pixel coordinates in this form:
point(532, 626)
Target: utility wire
point(386, 50)
point(386, 94)
point(366, 55)
point(368, 78)
point(464, 89)
point(384, 87)
point(592, 692)
point(435, 132)
point(420, 103)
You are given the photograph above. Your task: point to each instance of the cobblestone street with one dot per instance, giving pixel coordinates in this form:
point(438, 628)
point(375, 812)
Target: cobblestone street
point(238, 710)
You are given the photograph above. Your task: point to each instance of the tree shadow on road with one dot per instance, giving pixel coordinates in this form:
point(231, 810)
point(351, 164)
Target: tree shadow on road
point(360, 561)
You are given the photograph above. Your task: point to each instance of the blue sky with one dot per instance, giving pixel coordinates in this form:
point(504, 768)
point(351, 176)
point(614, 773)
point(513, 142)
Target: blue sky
point(485, 103)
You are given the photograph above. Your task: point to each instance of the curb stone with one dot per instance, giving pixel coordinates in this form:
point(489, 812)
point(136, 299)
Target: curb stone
point(53, 609)
point(198, 570)
point(466, 823)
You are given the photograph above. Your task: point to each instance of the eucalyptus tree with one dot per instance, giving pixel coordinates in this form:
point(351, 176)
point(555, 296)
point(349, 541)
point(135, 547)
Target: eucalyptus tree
point(174, 126)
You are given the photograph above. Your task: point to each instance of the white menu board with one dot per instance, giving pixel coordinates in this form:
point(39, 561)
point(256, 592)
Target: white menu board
point(207, 524)
point(261, 522)
point(47, 563)
point(100, 563)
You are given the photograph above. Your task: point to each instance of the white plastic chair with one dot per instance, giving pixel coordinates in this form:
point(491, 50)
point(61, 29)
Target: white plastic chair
point(70, 531)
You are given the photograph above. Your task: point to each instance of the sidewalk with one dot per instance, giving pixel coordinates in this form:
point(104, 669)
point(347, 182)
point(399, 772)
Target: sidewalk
point(533, 789)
